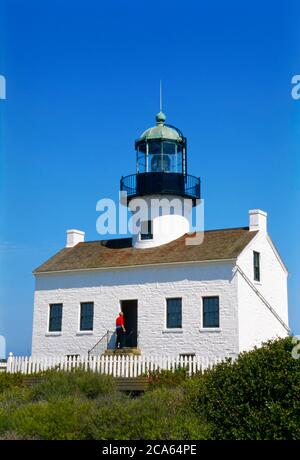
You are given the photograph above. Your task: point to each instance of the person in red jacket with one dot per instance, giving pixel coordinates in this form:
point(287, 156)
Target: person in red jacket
point(120, 330)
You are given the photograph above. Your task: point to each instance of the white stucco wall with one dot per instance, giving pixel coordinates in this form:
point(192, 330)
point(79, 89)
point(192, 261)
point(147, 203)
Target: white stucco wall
point(256, 323)
point(150, 286)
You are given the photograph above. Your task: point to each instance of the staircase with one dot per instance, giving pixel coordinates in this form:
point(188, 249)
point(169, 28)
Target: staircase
point(106, 346)
point(107, 342)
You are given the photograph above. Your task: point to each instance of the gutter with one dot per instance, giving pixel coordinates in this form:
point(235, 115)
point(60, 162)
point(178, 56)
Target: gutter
point(135, 266)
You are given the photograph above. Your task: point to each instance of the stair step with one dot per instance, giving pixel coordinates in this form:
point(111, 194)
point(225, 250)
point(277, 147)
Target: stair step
point(133, 384)
point(128, 384)
point(123, 351)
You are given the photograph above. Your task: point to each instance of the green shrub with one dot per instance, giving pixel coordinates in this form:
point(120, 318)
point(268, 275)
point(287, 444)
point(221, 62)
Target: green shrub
point(168, 378)
point(14, 436)
point(63, 419)
point(10, 381)
point(59, 384)
point(10, 400)
point(256, 397)
point(164, 414)
point(161, 414)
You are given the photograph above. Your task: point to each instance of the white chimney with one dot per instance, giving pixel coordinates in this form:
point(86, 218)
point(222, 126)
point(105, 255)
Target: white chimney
point(257, 220)
point(74, 237)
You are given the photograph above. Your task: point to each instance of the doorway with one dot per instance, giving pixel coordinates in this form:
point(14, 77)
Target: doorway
point(129, 308)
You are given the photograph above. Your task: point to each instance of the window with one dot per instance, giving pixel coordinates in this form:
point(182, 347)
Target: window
point(86, 316)
point(174, 313)
point(211, 312)
point(55, 317)
point(256, 265)
point(74, 357)
point(146, 230)
point(187, 355)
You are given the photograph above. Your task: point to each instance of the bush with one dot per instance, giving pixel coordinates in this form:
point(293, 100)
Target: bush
point(169, 378)
point(164, 414)
point(14, 436)
point(63, 419)
point(10, 381)
point(59, 384)
point(256, 397)
point(14, 397)
point(10, 400)
point(161, 414)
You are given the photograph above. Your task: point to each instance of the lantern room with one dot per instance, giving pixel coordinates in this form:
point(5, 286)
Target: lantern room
point(161, 149)
point(161, 164)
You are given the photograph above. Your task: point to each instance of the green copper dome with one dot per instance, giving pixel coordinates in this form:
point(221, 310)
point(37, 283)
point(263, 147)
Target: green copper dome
point(160, 131)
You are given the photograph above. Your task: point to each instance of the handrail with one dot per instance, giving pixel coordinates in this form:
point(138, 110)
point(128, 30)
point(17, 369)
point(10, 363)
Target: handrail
point(105, 336)
point(100, 340)
point(165, 183)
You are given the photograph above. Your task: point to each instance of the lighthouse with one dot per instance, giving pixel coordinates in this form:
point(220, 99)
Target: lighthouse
point(214, 297)
point(161, 194)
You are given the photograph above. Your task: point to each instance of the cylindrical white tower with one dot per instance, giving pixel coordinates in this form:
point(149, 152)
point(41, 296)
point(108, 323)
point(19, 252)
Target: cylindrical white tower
point(161, 194)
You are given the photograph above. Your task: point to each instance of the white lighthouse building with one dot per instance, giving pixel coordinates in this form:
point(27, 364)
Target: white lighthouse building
point(223, 294)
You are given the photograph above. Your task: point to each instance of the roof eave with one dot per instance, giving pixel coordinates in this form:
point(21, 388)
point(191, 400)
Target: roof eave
point(186, 262)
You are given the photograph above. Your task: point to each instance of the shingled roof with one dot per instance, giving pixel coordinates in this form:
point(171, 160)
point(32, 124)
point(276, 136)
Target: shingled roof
point(217, 245)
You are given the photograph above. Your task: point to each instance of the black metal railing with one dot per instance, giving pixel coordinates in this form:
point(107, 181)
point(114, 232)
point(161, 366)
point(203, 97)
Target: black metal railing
point(108, 342)
point(128, 185)
point(104, 343)
point(164, 183)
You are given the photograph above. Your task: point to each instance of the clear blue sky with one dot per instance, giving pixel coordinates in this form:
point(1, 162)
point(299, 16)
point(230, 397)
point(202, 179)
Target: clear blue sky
point(82, 84)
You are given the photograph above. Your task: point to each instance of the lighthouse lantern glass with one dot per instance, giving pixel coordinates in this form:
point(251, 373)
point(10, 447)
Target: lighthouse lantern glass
point(159, 156)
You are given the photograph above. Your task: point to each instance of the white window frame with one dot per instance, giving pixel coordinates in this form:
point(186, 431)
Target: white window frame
point(48, 332)
point(173, 329)
point(205, 328)
point(81, 331)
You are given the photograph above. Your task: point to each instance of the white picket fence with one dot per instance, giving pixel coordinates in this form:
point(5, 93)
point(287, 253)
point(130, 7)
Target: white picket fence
point(115, 365)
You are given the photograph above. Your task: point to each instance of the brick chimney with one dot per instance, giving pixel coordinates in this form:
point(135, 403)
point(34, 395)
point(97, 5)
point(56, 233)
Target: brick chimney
point(74, 237)
point(257, 220)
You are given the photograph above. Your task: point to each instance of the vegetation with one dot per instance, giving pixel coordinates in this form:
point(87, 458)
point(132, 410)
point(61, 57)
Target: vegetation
point(255, 397)
point(85, 405)
point(8, 381)
point(168, 378)
point(79, 383)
